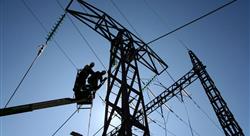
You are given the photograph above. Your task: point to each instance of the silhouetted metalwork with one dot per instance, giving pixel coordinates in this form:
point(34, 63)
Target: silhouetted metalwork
point(124, 99)
point(165, 96)
point(108, 27)
point(170, 92)
point(41, 105)
point(126, 50)
point(75, 134)
point(224, 115)
point(124, 95)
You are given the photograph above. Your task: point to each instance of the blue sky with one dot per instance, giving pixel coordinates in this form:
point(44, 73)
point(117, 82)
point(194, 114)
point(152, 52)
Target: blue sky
point(221, 41)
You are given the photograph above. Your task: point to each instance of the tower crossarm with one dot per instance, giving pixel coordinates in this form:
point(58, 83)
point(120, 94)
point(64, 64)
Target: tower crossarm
point(224, 115)
point(170, 92)
point(165, 96)
point(108, 27)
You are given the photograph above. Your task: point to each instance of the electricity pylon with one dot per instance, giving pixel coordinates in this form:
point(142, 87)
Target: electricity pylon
point(124, 96)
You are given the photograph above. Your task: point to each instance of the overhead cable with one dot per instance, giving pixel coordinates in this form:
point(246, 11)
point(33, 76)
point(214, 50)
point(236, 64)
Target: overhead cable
point(60, 127)
point(176, 115)
point(51, 33)
point(205, 113)
point(82, 36)
point(34, 15)
point(164, 120)
point(36, 57)
point(26, 73)
point(189, 121)
point(163, 21)
point(123, 15)
point(196, 104)
point(193, 21)
point(40, 51)
point(162, 127)
point(90, 112)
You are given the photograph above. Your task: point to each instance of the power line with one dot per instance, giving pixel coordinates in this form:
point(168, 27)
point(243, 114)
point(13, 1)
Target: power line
point(123, 15)
point(61, 126)
point(183, 44)
point(34, 15)
point(164, 120)
point(189, 121)
point(193, 21)
point(90, 112)
point(65, 122)
point(82, 36)
point(196, 104)
point(163, 21)
point(2, 26)
point(46, 31)
point(42, 47)
point(162, 127)
point(177, 29)
point(203, 111)
point(26, 73)
point(177, 116)
point(98, 131)
point(154, 12)
point(88, 44)
point(38, 54)
point(65, 54)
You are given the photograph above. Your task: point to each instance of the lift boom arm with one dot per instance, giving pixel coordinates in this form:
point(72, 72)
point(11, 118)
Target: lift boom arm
point(39, 105)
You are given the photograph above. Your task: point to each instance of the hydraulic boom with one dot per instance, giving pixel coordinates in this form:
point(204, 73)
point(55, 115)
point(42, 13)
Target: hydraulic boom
point(40, 105)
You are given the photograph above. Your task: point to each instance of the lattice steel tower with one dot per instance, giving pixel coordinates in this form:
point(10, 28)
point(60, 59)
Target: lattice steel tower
point(224, 115)
point(124, 96)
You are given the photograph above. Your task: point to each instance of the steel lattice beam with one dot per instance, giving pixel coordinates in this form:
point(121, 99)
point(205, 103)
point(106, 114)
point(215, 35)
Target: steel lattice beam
point(170, 92)
point(127, 50)
point(224, 115)
point(165, 96)
point(108, 27)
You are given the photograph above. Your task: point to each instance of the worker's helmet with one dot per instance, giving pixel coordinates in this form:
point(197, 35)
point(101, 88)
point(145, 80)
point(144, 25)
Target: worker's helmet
point(103, 72)
point(92, 64)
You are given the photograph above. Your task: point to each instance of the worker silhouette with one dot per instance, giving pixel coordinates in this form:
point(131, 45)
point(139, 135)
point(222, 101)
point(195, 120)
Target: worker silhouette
point(85, 73)
point(115, 43)
point(80, 84)
point(96, 80)
point(131, 51)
